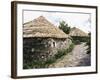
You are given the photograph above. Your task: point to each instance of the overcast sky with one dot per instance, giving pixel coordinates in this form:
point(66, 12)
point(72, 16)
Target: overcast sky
point(79, 20)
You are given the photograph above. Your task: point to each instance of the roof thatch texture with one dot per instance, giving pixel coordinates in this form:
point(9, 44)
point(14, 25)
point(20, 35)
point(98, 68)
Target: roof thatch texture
point(41, 27)
point(77, 32)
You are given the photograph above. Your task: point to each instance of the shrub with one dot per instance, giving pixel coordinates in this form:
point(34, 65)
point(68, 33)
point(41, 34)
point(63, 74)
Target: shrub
point(60, 53)
point(78, 39)
point(88, 43)
point(43, 64)
point(70, 48)
point(76, 42)
point(49, 61)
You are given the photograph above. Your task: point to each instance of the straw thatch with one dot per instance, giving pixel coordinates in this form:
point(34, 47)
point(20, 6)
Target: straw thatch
point(41, 27)
point(77, 32)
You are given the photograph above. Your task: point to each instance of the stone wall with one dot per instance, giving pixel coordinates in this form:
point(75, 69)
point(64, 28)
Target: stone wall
point(42, 48)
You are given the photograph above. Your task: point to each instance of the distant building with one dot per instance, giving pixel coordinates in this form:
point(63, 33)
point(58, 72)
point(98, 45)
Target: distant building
point(78, 35)
point(41, 39)
point(77, 32)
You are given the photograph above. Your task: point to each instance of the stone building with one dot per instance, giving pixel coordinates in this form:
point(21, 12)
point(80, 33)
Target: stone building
point(41, 39)
point(77, 32)
point(78, 35)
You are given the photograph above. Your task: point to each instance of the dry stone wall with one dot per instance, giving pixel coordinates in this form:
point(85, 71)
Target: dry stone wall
point(42, 48)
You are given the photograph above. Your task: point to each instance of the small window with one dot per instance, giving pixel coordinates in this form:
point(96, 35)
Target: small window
point(32, 50)
point(54, 44)
point(43, 56)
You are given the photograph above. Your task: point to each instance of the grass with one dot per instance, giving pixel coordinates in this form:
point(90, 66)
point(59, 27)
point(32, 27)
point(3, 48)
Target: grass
point(44, 64)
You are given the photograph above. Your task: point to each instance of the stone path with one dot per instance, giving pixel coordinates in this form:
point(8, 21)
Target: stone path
point(77, 57)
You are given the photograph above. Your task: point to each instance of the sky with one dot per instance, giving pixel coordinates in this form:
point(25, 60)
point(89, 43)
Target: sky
point(74, 19)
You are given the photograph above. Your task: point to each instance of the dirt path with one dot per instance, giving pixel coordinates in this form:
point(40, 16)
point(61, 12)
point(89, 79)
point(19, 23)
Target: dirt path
point(77, 57)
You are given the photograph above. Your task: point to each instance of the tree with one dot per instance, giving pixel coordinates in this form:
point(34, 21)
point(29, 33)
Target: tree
point(64, 27)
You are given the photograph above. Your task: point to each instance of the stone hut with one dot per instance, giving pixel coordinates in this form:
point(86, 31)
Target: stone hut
point(77, 32)
point(78, 35)
point(41, 39)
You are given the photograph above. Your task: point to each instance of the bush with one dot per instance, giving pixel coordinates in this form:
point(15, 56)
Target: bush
point(49, 61)
point(88, 43)
point(76, 42)
point(78, 39)
point(60, 53)
point(70, 48)
point(45, 64)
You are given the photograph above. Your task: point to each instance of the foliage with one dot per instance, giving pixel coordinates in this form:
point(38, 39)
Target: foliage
point(60, 53)
point(70, 48)
point(64, 27)
point(78, 39)
point(89, 44)
point(49, 61)
point(76, 42)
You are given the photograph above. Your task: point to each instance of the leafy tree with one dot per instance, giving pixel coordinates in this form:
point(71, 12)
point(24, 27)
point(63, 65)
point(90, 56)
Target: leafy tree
point(65, 27)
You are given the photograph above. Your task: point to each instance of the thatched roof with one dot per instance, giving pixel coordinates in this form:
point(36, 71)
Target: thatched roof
point(77, 32)
point(41, 27)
